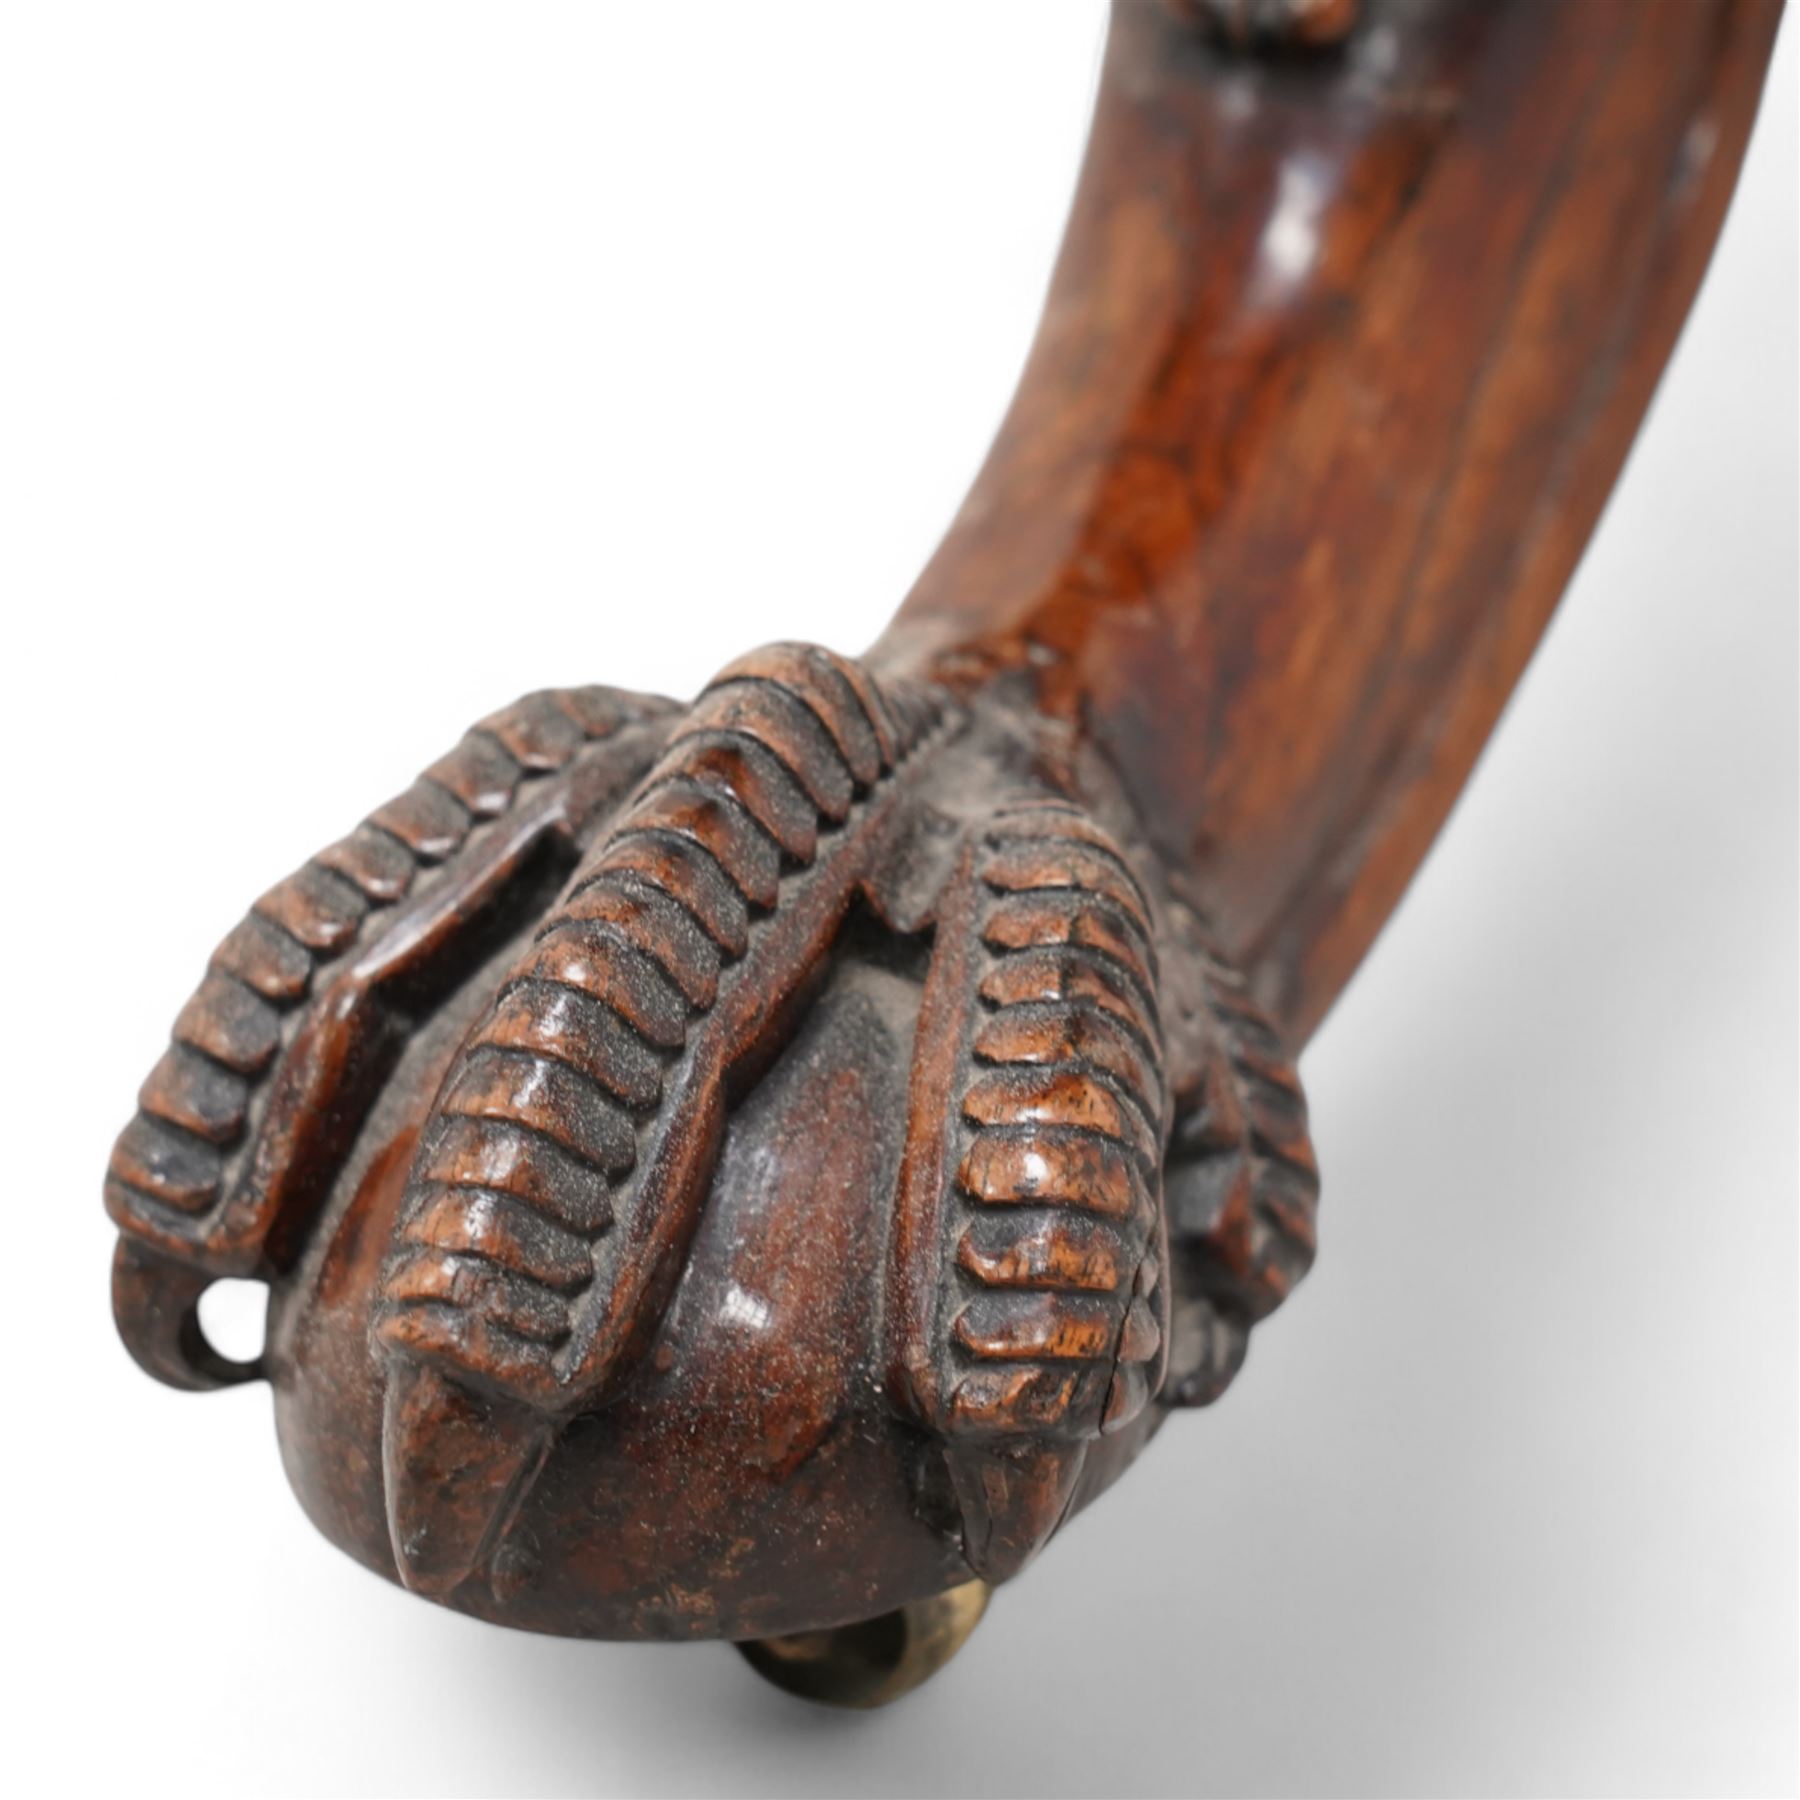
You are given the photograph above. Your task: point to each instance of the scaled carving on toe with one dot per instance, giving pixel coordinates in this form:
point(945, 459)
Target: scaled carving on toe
point(276, 1058)
point(625, 911)
point(562, 1171)
point(1026, 1313)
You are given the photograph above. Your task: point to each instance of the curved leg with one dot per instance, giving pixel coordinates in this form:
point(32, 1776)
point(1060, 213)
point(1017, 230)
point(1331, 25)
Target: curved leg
point(868, 1105)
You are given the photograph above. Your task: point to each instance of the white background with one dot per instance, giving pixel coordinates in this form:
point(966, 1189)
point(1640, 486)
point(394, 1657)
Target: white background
point(325, 329)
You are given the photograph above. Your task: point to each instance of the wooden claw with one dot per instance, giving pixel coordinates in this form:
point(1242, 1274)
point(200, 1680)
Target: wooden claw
point(754, 1169)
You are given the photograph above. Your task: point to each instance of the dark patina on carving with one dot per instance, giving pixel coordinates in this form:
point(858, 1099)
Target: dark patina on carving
point(616, 917)
point(756, 1169)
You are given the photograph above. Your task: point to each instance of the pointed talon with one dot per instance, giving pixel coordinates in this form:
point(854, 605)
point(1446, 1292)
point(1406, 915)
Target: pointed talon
point(156, 1301)
point(454, 1465)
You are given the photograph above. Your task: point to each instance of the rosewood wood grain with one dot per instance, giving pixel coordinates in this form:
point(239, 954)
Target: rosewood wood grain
point(753, 1169)
point(1341, 357)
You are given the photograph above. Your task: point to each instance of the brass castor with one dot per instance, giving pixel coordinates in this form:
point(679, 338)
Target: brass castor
point(874, 1661)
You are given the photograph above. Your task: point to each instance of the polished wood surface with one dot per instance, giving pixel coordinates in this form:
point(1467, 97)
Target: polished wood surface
point(1341, 358)
point(753, 1169)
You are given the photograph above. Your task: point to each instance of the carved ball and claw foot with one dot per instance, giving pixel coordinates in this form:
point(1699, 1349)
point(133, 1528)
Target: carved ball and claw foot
point(749, 1170)
point(753, 1170)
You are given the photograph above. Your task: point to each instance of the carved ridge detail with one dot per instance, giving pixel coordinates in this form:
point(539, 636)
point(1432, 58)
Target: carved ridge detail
point(195, 1174)
point(1063, 1122)
point(1029, 1311)
point(560, 1175)
point(1241, 1183)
